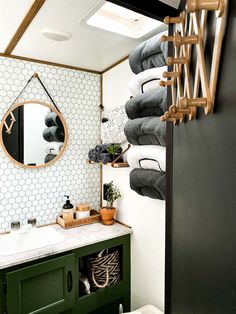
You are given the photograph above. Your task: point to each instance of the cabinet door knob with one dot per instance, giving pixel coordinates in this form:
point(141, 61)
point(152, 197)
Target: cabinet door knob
point(69, 281)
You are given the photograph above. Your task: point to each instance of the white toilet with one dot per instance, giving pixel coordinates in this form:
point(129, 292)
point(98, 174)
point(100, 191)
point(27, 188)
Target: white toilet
point(147, 309)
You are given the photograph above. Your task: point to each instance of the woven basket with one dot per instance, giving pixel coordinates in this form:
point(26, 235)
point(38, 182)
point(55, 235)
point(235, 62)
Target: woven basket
point(103, 271)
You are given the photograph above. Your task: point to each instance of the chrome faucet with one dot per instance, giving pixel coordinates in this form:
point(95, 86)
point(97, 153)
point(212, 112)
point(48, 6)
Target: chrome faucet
point(32, 222)
point(15, 225)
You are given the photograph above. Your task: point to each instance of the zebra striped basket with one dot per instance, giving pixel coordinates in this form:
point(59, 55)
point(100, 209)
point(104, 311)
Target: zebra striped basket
point(103, 271)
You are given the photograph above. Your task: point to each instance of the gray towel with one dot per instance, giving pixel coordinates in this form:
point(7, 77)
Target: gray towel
point(104, 158)
point(150, 103)
point(54, 134)
point(147, 182)
point(52, 119)
point(98, 150)
point(146, 131)
point(49, 157)
point(149, 54)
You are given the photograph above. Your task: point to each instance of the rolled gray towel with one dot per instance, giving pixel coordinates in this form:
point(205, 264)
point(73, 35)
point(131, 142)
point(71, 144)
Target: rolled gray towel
point(92, 155)
point(149, 54)
point(52, 119)
point(104, 158)
point(95, 152)
point(54, 134)
point(49, 157)
point(148, 182)
point(146, 131)
point(150, 103)
point(101, 148)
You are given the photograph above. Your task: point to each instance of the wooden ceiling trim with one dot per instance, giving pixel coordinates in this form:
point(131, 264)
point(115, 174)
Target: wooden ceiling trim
point(115, 64)
point(61, 65)
point(24, 25)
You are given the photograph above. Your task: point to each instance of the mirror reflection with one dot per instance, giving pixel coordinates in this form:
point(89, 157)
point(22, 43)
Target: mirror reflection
point(33, 134)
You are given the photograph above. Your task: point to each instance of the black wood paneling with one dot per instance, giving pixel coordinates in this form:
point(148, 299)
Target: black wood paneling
point(14, 142)
point(203, 213)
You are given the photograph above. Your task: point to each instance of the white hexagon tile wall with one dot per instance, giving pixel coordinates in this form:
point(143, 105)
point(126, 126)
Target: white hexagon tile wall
point(26, 193)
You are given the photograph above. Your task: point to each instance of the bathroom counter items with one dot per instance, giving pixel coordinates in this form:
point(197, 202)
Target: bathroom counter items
point(74, 239)
point(93, 216)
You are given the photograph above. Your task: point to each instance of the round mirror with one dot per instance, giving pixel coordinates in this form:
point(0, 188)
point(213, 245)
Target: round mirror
point(33, 134)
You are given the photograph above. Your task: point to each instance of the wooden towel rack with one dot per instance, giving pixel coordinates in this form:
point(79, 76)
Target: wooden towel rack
point(190, 29)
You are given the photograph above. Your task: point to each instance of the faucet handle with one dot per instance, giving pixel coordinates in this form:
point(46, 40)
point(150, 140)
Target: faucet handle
point(15, 225)
point(32, 222)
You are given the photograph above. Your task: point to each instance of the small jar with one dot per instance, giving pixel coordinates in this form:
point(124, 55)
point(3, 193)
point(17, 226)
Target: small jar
point(82, 211)
point(67, 214)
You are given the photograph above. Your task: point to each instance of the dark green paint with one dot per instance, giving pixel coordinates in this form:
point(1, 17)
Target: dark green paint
point(41, 286)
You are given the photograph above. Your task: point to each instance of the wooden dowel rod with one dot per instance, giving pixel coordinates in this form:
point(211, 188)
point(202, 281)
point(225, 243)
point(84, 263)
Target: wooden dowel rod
point(170, 74)
point(173, 110)
point(185, 102)
point(185, 40)
point(165, 38)
point(209, 5)
point(166, 83)
point(173, 20)
point(179, 60)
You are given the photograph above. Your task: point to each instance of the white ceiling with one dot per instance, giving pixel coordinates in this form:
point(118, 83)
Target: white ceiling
point(12, 12)
point(88, 47)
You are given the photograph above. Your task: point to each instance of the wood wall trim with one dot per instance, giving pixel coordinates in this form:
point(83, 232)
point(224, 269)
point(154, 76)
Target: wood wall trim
point(61, 65)
point(101, 166)
point(24, 25)
point(115, 64)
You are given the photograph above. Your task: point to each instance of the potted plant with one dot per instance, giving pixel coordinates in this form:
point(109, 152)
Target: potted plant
point(115, 150)
point(108, 212)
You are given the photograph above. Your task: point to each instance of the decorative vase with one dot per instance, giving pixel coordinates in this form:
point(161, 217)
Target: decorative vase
point(108, 215)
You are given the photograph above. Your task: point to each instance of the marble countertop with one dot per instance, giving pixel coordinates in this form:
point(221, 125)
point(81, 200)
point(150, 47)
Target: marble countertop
point(74, 238)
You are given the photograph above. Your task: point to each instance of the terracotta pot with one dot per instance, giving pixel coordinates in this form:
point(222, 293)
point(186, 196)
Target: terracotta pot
point(108, 215)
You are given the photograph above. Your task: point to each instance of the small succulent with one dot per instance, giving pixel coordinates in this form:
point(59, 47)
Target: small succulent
point(114, 149)
point(112, 194)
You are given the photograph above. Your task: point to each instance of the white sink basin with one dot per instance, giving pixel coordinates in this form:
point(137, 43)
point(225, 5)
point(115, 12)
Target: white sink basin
point(19, 242)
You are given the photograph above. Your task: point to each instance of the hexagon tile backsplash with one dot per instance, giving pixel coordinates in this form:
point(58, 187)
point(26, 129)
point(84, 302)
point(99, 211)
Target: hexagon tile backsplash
point(26, 193)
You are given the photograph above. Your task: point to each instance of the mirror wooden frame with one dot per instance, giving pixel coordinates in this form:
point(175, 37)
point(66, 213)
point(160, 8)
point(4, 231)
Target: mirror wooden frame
point(51, 108)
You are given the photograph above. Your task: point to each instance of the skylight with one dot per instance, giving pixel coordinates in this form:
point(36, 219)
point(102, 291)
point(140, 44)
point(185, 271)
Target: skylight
point(116, 19)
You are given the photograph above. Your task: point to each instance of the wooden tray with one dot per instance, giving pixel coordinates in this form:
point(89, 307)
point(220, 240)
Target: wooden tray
point(95, 216)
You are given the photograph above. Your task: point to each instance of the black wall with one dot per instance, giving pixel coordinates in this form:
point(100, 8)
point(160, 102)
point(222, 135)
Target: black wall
point(14, 142)
point(201, 275)
point(201, 192)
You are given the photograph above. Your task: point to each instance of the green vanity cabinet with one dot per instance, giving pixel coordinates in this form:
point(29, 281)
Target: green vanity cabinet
point(51, 285)
point(107, 300)
point(45, 287)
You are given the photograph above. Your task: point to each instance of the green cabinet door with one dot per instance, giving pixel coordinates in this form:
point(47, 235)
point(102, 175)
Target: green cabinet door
point(45, 288)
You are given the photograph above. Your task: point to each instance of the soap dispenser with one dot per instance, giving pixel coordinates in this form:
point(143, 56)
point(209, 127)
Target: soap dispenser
point(68, 213)
point(67, 204)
